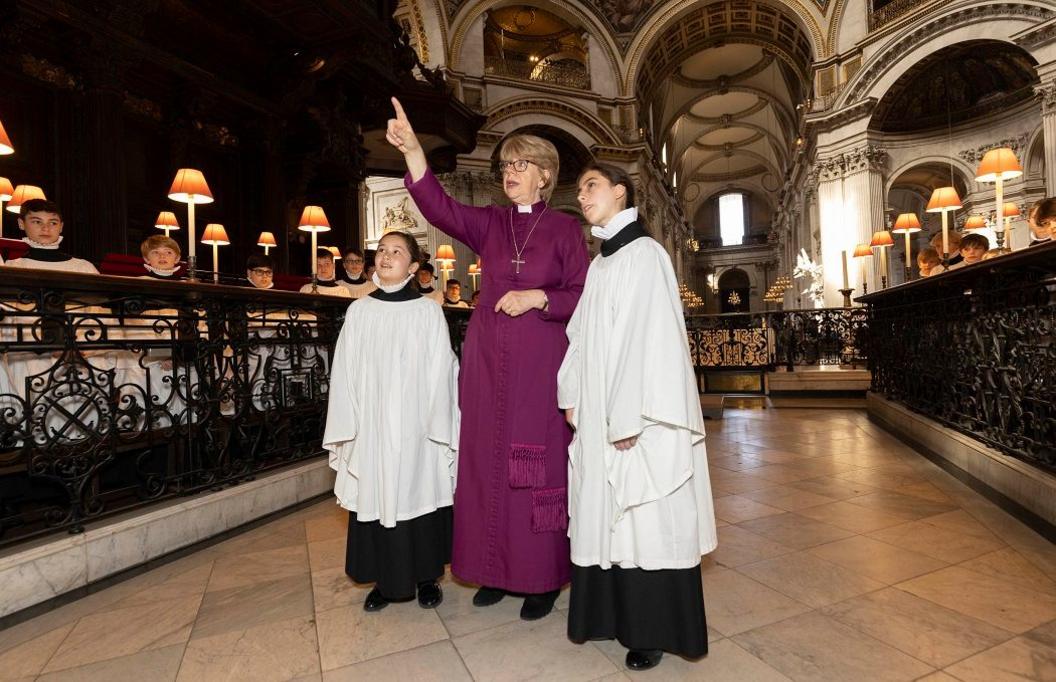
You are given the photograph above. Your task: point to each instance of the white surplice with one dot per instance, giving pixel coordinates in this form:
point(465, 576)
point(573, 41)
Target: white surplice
point(72, 265)
point(627, 373)
point(392, 423)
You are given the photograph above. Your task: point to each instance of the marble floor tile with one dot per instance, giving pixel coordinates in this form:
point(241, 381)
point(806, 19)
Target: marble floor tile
point(736, 508)
point(187, 584)
point(795, 531)
point(738, 546)
point(928, 491)
point(918, 627)
point(816, 648)
point(325, 527)
point(332, 588)
point(349, 635)
point(877, 560)
point(27, 658)
point(787, 498)
point(734, 462)
point(780, 473)
point(460, 617)
point(157, 665)
point(539, 650)
point(246, 569)
point(830, 486)
point(437, 662)
point(735, 603)
point(995, 600)
point(267, 537)
point(1046, 634)
point(725, 662)
point(940, 543)
point(327, 553)
point(1008, 564)
point(887, 480)
point(851, 517)
point(810, 580)
point(240, 608)
point(1018, 659)
point(279, 650)
point(126, 631)
point(891, 502)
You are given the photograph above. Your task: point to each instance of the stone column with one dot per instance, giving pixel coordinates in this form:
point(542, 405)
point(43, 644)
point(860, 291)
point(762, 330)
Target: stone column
point(863, 195)
point(1047, 94)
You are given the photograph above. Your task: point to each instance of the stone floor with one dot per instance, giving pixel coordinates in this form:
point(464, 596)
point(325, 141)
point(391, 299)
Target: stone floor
point(842, 556)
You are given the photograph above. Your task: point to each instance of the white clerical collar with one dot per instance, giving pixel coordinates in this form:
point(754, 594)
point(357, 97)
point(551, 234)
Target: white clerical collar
point(521, 208)
point(390, 288)
point(617, 223)
point(159, 271)
point(38, 245)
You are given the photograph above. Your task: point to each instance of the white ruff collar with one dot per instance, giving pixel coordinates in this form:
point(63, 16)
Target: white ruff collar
point(159, 271)
point(38, 245)
point(617, 223)
point(390, 288)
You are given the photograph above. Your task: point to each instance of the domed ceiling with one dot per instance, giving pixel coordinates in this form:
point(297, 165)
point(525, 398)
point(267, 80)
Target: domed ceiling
point(957, 84)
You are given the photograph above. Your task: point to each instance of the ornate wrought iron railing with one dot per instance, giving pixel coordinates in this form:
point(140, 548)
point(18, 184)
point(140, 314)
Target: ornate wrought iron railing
point(975, 349)
point(567, 73)
point(766, 340)
point(119, 392)
point(896, 9)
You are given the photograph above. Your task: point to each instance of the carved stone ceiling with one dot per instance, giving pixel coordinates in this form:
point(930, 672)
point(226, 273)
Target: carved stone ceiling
point(957, 84)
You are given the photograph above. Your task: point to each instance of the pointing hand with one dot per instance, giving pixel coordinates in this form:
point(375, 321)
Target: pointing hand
point(399, 132)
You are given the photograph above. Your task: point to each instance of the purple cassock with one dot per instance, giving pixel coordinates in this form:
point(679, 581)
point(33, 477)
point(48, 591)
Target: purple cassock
point(511, 500)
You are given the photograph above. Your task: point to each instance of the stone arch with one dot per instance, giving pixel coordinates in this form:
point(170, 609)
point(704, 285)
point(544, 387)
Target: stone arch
point(983, 21)
point(960, 167)
point(805, 17)
point(587, 128)
point(572, 10)
point(1034, 158)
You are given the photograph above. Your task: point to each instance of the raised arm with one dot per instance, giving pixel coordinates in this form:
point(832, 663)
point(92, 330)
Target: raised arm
point(464, 223)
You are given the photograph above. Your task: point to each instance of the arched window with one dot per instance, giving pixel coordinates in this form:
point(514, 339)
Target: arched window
point(663, 155)
point(731, 218)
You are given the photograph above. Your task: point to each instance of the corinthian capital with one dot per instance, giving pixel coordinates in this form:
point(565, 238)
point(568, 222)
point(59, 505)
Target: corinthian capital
point(1046, 93)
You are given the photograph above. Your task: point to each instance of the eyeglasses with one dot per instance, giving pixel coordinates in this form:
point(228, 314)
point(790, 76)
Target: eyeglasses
point(519, 165)
point(354, 261)
point(262, 272)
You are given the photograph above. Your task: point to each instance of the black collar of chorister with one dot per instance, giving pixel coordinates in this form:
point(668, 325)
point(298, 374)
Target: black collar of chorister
point(628, 234)
point(426, 290)
point(47, 255)
point(407, 293)
point(327, 283)
point(168, 278)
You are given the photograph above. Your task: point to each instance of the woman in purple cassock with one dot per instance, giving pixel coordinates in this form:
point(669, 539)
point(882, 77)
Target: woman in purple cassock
point(510, 499)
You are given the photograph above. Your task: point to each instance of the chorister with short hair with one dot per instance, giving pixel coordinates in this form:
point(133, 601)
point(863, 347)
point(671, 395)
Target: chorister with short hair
point(640, 506)
point(392, 433)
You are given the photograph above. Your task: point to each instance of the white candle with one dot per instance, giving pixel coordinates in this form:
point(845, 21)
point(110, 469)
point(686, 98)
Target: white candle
point(846, 281)
point(315, 248)
point(909, 265)
point(945, 235)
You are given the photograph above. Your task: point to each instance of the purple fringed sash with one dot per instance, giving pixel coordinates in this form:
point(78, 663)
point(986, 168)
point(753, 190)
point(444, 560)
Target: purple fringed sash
point(549, 510)
point(527, 466)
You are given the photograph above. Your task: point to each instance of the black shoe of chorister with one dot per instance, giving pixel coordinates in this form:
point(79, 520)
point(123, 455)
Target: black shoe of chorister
point(376, 601)
point(429, 595)
point(643, 659)
point(537, 606)
point(488, 596)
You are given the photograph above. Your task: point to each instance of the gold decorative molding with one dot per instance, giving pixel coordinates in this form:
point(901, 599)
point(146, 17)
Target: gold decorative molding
point(559, 109)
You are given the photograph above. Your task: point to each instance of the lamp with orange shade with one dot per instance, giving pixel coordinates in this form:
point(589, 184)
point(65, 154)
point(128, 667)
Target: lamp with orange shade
point(943, 200)
point(5, 142)
point(882, 240)
point(313, 220)
point(166, 221)
point(975, 222)
point(862, 251)
point(189, 187)
point(1010, 211)
point(6, 190)
point(334, 250)
point(997, 166)
point(215, 235)
point(907, 224)
point(267, 240)
point(446, 255)
point(22, 194)
point(474, 273)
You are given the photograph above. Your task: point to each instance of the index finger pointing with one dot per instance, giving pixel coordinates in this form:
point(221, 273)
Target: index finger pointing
point(400, 115)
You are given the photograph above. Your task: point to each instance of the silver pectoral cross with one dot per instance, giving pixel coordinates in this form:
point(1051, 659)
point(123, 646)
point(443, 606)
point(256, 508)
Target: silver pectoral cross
point(517, 263)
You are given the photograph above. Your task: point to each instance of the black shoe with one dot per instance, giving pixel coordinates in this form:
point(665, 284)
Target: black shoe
point(643, 659)
point(429, 595)
point(488, 596)
point(537, 606)
point(376, 601)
